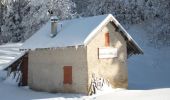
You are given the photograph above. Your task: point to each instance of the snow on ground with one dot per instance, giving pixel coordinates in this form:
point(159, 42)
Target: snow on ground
point(3, 75)
point(148, 78)
point(156, 94)
point(12, 92)
point(151, 70)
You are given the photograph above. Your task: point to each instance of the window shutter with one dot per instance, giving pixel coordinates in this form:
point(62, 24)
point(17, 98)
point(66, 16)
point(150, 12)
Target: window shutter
point(67, 74)
point(107, 40)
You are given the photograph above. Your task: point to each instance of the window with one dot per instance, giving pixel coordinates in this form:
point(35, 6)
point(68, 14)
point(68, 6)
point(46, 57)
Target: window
point(107, 40)
point(67, 74)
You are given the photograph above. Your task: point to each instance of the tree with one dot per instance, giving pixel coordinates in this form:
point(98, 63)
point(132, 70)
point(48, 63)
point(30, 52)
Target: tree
point(24, 17)
point(38, 15)
point(12, 27)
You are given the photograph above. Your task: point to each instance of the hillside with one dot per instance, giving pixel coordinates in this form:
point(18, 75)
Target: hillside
point(152, 69)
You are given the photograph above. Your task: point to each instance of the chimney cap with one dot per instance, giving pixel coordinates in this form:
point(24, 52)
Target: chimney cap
point(54, 18)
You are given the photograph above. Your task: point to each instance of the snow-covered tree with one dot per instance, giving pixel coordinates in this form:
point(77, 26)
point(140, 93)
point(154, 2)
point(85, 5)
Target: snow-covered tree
point(24, 17)
point(2, 11)
point(159, 27)
point(39, 13)
point(12, 28)
point(123, 10)
point(156, 13)
point(19, 19)
point(81, 5)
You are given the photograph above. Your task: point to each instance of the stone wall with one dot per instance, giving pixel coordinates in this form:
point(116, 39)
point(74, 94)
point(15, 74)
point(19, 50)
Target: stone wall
point(114, 70)
point(45, 72)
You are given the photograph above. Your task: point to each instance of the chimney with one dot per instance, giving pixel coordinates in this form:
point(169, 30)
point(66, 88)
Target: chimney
point(54, 22)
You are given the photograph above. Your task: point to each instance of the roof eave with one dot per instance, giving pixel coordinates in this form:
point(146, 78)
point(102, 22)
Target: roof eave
point(94, 31)
point(137, 49)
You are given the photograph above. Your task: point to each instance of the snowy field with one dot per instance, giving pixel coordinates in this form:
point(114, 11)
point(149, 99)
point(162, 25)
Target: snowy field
point(148, 78)
point(12, 92)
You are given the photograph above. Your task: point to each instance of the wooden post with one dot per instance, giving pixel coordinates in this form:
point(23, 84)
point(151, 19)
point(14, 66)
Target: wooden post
point(24, 70)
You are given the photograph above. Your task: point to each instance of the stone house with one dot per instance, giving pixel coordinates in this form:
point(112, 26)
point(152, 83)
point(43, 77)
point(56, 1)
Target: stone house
point(66, 56)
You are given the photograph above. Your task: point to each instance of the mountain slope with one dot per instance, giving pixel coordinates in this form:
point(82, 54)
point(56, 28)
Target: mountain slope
point(152, 69)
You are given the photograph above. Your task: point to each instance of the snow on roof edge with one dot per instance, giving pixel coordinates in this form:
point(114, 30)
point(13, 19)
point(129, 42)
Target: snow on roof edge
point(127, 34)
point(94, 31)
point(10, 47)
point(9, 64)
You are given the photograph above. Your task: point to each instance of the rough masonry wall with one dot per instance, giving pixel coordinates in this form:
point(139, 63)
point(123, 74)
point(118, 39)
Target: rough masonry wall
point(114, 70)
point(45, 71)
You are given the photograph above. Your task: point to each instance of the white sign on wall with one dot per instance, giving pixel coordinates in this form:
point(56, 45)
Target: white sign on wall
point(107, 52)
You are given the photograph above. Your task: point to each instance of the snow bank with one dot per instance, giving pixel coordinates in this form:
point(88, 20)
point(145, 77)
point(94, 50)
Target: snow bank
point(3, 75)
point(13, 78)
point(156, 94)
point(11, 92)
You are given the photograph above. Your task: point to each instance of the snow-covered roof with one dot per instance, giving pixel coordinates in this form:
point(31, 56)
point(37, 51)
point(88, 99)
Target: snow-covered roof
point(9, 53)
point(74, 32)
